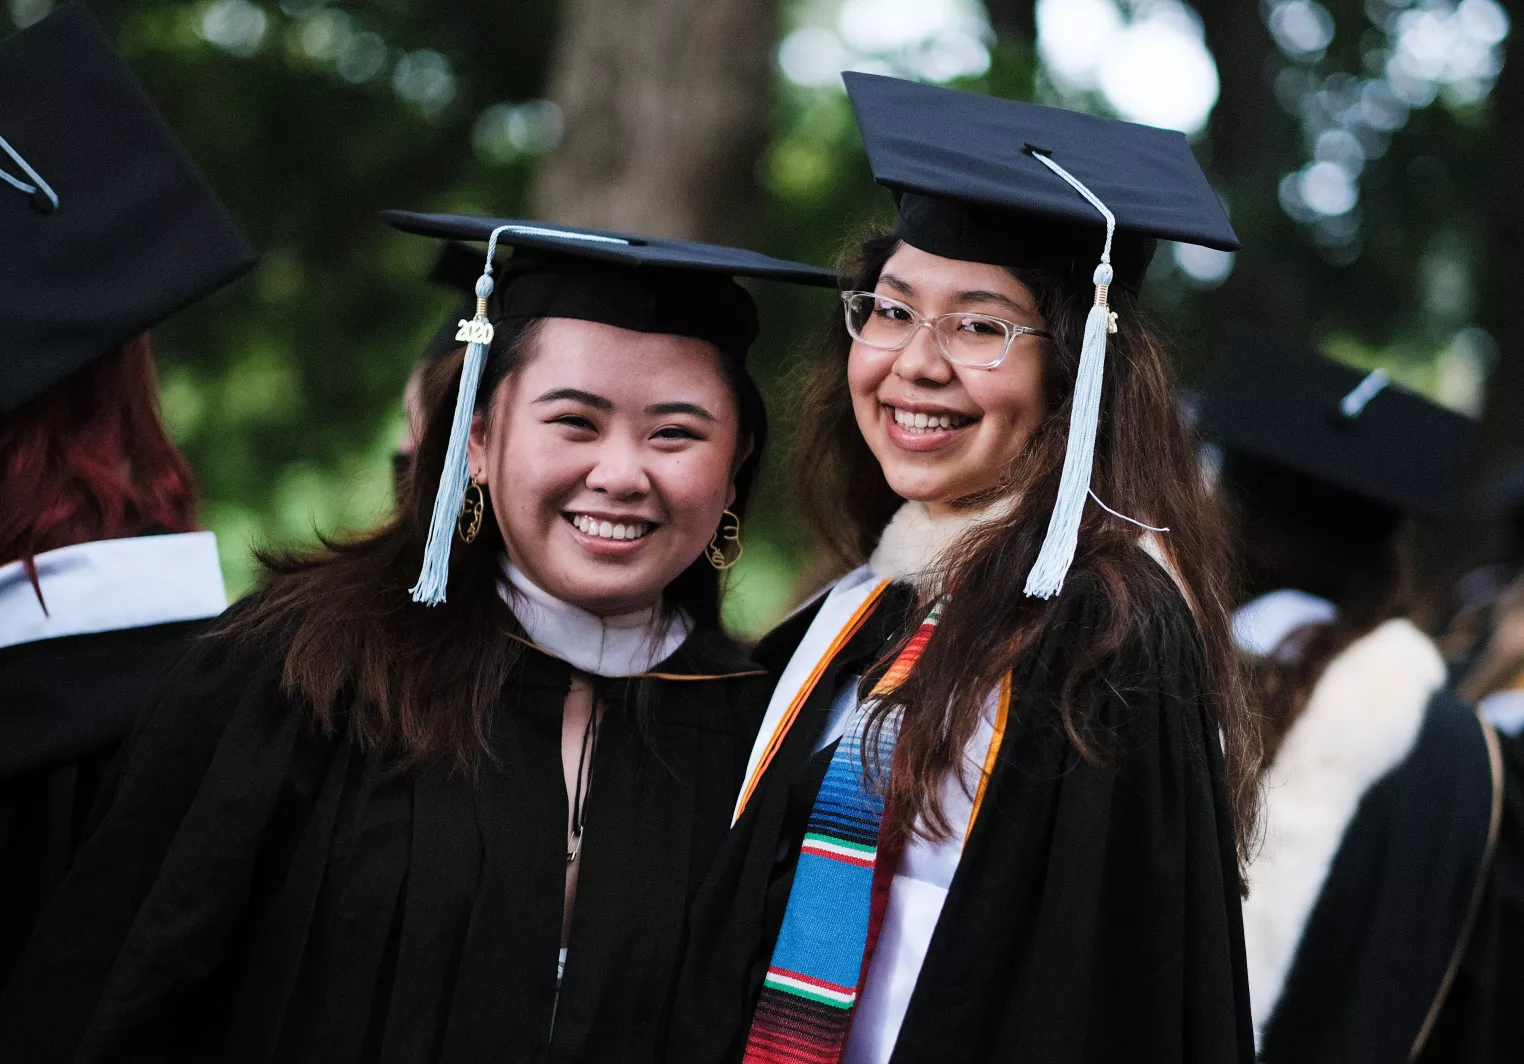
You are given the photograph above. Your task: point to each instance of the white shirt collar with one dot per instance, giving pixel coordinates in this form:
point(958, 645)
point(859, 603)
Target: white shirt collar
point(111, 584)
point(623, 645)
point(1260, 626)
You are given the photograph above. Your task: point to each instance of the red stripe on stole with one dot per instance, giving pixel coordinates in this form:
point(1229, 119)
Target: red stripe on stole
point(899, 671)
point(810, 979)
point(864, 861)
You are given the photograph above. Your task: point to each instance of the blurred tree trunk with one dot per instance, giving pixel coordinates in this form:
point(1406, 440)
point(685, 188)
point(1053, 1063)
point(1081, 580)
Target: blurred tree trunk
point(1501, 236)
point(1252, 143)
point(667, 106)
point(1014, 21)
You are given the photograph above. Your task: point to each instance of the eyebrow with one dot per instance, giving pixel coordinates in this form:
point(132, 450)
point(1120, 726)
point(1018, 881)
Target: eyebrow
point(576, 395)
point(663, 409)
point(976, 295)
point(979, 295)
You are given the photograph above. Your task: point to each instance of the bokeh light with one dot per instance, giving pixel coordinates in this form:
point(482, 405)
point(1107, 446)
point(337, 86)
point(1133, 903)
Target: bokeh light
point(929, 40)
point(1147, 58)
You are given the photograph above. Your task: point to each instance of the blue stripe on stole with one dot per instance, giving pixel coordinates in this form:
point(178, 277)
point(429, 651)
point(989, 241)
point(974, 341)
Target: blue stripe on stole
point(822, 937)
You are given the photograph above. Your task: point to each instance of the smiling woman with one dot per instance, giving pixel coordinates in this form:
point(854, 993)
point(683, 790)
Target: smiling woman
point(360, 826)
point(606, 484)
point(1007, 762)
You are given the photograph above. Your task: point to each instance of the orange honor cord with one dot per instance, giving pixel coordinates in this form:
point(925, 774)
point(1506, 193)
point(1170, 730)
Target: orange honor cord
point(843, 637)
point(1002, 714)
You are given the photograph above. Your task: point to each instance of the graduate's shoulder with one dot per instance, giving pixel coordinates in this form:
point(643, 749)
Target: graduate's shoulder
point(1158, 618)
point(715, 684)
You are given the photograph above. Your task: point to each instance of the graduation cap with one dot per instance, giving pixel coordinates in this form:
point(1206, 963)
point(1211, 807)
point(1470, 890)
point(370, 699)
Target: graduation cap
point(1020, 185)
point(971, 183)
point(106, 227)
point(643, 283)
point(1355, 432)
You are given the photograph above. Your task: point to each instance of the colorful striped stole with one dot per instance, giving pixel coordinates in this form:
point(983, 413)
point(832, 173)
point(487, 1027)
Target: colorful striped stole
point(837, 899)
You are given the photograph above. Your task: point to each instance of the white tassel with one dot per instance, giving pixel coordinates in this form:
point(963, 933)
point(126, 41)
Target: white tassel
point(477, 334)
point(1046, 578)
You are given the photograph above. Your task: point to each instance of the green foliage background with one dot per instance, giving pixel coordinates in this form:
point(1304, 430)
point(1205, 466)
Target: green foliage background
point(284, 390)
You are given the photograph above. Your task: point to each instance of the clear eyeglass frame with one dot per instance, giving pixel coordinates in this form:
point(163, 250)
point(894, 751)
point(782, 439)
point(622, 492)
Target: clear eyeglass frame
point(919, 321)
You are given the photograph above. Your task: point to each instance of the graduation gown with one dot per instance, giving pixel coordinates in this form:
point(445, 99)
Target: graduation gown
point(72, 681)
point(1094, 912)
point(1378, 923)
point(261, 892)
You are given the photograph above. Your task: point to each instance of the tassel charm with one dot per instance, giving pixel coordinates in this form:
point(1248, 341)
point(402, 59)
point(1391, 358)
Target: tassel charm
point(1102, 294)
point(477, 334)
point(477, 330)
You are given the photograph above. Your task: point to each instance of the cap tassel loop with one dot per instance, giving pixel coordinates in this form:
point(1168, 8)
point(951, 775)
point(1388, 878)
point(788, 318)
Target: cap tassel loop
point(477, 335)
point(1046, 577)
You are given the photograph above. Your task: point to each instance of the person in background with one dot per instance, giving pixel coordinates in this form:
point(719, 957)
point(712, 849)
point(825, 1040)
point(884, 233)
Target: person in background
point(456, 269)
point(106, 229)
point(455, 815)
point(993, 810)
point(1382, 922)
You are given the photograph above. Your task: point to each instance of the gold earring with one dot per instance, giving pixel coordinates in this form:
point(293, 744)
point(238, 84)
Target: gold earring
point(715, 552)
point(470, 512)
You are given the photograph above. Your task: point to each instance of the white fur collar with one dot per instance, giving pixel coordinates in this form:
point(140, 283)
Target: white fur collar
point(913, 543)
point(623, 645)
point(1360, 722)
point(111, 584)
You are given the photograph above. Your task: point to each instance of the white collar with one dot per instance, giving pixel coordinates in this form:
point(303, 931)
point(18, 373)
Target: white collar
point(111, 584)
point(623, 645)
point(1260, 626)
point(913, 543)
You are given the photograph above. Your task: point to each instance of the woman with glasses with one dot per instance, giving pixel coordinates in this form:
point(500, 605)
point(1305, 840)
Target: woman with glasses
point(998, 801)
point(457, 816)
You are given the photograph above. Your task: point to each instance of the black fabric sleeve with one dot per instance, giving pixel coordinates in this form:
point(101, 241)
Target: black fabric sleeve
point(206, 767)
point(1103, 921)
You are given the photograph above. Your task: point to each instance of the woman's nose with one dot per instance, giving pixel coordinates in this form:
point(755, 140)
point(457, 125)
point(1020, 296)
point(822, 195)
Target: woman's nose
point(920, 360)
point(619, 472)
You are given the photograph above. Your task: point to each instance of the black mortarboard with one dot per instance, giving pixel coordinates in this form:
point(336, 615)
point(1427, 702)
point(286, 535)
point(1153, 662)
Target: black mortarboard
point(648, 284)
point(456, 268)
point(968, 186)
point(135, 234)
point(1279, 403)
point(643, 283)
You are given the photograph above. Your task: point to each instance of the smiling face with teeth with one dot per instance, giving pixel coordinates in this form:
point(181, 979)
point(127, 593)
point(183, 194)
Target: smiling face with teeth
point(942, 432)
point(609, 456)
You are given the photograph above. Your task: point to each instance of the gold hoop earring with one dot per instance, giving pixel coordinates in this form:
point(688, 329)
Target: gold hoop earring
point(715, 552)
point(469, 523)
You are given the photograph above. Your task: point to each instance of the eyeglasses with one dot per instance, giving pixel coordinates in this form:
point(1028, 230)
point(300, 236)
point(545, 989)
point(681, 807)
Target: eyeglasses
point(977, 341)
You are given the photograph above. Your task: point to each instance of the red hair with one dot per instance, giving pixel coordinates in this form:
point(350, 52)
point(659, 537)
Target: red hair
point(89, 459)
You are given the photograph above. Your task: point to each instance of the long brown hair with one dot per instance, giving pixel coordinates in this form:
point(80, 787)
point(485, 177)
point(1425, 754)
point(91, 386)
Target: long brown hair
point(1297, 532)
point(1145, 466)
point(419, 683)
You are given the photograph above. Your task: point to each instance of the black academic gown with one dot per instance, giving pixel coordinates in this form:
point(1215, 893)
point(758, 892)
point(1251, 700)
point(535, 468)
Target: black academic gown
point(1414, 949)
point(1094, 915)
point(66, 707)
point(260, 892)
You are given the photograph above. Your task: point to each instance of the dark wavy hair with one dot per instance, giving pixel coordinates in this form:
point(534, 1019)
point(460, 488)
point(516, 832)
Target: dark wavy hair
point(419, 683)
point(89, 459)
point(1145, 466)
